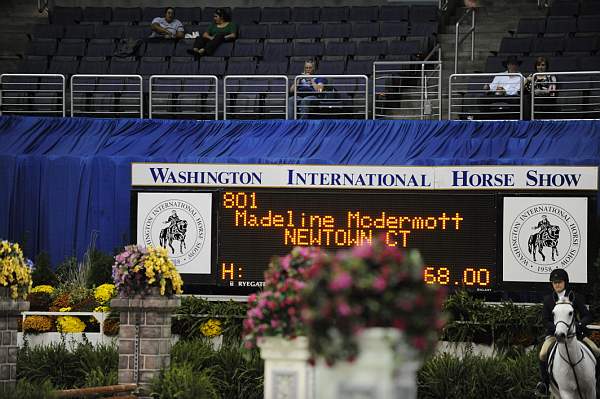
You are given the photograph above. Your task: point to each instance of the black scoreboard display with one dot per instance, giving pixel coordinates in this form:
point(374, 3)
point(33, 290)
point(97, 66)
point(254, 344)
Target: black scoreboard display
point(488, 229)
point(455, 233)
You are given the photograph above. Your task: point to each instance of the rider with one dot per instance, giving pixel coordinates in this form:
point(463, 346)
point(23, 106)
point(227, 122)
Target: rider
point(543, 224)
point(560, 279)
point(173, 219)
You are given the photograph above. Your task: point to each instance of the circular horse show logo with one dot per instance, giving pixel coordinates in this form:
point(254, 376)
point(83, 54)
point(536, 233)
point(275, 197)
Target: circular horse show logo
point(544, 237)
point(178, 226)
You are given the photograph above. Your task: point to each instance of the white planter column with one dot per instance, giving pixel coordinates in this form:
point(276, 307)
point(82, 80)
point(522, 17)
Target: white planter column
point(287, 371)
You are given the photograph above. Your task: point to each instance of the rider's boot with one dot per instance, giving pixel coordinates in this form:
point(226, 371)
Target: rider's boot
point(542, 386)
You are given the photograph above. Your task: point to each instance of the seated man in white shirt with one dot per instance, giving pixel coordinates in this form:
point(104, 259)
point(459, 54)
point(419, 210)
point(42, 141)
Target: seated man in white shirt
point(504, 85)
point(167, 27)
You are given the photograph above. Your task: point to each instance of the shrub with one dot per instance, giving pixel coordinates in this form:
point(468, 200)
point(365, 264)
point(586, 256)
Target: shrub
point(183, 382)
point(100, 268)
point(43, 274)
point(111, 327)
point(31, 390)
point(39, 301)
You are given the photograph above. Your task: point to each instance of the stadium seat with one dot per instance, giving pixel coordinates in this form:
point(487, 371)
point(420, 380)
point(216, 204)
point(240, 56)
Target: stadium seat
point(282, 32)
point(580, 45)
point(71, 47)
point(308, 49)
point(515, 45)
point(375, 49)
point(494, 64)
point(183, 46)
point(65, 15)
point(364, 13)
point(101, 48)
point(212, 66)
point(590, 63)
point(127, 14)
point(588, 24)
point(209, 12)
point(334, 14)
point(241, 67)
point(34, 64)
point(423, 29)
point(41, 47)
point(224, 50)
point(423, 13)
point(337, 31)
point(254, 31)
point(560, 25)
point(590, 8)
point(564, 8)
point(200, 28)
point(188, 15)
point(97, 15)
point(547, 45)
point(332, 67)
point(359, 67)
point(306, 14)
point(137, 32)
point(531, 26)
point(183, 66)
point(309, 31)
point(64, 65)
point(276, 15)
point(149, 13)
point(93, 66)
point(108, 31)
point(563, 63)
point(393, 29)
point(160, 48)
point(268, 67)
point(79, 31)
point(277, 51)
point(244, 49)
point(123, 66)
point(45, 31)
point(393, 13)
point(364, 29)
point(404, 47)
point(246, 15)
point(340, 48)
point(152, 66)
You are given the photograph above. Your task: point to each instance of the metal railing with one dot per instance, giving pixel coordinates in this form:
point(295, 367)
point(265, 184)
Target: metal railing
point(343, 97)
point(481, 96)
point(565, 95)
point(407, 90)
point(107, 95)
point(39, 94)
point(183, 97)
point(258, 96)
point(458, 41)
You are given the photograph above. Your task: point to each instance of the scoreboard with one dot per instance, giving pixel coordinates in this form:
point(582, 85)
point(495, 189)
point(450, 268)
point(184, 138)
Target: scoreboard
point(222, 234)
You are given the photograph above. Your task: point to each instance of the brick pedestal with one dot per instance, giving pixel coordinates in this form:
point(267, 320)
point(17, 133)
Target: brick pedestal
point(10, 313)
point(151, 317)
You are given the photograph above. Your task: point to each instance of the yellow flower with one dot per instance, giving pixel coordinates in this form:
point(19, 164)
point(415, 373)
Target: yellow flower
point(104, 293)
point(47, 289)
point(14, 272)
point(159, 268)
point(67, 309)
point(37, 324)
point(104, 309)
point(69, 324)
point(211, 328)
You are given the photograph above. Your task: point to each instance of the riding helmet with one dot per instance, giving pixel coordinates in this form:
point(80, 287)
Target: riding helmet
point(559, 275)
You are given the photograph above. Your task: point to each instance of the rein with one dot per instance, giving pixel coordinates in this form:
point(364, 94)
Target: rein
point(568, 360)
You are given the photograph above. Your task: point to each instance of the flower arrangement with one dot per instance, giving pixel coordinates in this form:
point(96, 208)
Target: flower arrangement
point(275, 311)
point(38, 324)
point(15, 270)
point(104, 293)
point(69, 324)
point(373, 285)
point(211, 328)
point(137, 269)
point(46, 289)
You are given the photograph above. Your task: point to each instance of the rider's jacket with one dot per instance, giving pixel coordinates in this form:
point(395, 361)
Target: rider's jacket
point(584, 317)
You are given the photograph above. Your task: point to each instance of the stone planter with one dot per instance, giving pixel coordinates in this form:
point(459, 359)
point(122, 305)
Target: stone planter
point(287, 372)
point(144, 336)
point(385, 368)
point(10, 313)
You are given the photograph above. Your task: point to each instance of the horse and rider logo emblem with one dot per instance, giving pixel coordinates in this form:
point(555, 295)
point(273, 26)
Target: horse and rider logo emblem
point(178, 226)
point(544, 237)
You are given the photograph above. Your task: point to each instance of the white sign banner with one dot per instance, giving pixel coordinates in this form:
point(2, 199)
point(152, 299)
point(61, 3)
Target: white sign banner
point(366, 177)
point(180, 222)
point(542, 234)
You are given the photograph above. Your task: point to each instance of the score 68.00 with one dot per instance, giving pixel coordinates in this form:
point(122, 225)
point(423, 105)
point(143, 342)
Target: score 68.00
point(471, 276)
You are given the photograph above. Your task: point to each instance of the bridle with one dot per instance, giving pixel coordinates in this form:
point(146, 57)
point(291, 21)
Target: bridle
point(570, 335)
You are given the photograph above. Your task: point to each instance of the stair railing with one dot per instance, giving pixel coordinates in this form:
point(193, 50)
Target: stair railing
point(471, 32)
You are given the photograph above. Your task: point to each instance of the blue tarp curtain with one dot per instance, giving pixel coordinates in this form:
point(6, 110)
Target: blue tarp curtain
point(64, 178)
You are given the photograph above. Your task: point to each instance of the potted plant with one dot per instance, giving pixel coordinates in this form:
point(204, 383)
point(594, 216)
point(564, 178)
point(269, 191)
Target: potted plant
point(273, 322)
point(15, 271)
point(370, 320)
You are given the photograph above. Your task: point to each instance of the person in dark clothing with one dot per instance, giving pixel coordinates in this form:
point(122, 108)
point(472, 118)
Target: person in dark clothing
point(221, 30)
point(559, 279)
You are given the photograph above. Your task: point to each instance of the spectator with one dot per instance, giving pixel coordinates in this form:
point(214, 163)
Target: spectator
point(544, 85)
point(504, 85)
point(167, 27)
point(221, 30)
point(306, 90)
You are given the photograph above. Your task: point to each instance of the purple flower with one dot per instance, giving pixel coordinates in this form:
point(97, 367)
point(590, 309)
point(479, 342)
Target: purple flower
point(343, 309)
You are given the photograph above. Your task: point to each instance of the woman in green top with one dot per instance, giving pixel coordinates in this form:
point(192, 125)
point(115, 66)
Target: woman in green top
point(221, 30)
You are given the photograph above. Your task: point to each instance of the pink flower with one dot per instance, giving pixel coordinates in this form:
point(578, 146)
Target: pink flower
point(379, 284)
point(291, 311)
point(275, 323)
point(363, 251)
point(341, 282)
point(285, 262)
point(343, 309)
point(248, 345)
point(251, 298)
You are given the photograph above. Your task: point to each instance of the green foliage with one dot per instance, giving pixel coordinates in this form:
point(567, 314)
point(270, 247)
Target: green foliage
point(98, 377)
point(183, 382)
point(506, 325)
point(31, 390)
point(235, 372)
point(43, 274)
point(63, 367)
point(193, 312)
point(475, 377)
point(100, 268)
